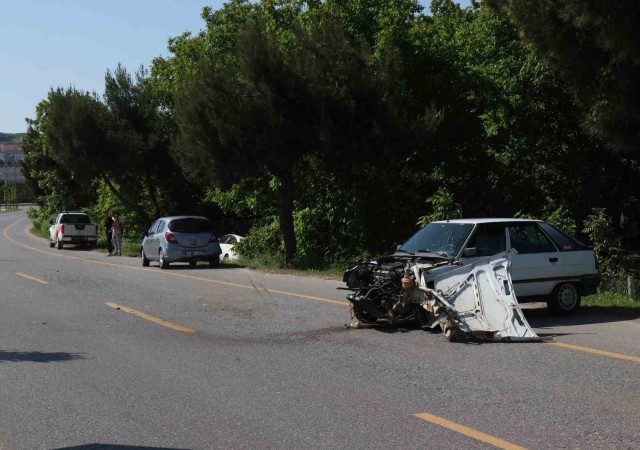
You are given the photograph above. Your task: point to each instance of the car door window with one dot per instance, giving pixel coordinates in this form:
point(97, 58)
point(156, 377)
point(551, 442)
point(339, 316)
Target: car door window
point(160, 226)
point(488, 239)
point(223, 239)
point(152, 228)
point(565, 243)
point(232, 240)
point(528, 238)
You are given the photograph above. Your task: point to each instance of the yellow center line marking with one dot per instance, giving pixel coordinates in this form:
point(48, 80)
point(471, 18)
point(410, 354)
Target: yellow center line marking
point(593, 350)
point(172, 274)
point(470, 432)
point(29, 277)
point(151, 318)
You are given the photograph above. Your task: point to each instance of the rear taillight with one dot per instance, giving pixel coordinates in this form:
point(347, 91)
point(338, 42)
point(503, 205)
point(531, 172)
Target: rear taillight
point(170, 237)
point(213, 238)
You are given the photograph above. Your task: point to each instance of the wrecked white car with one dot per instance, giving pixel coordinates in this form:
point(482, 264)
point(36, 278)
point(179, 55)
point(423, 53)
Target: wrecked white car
point(475, 301)
point(458, 274)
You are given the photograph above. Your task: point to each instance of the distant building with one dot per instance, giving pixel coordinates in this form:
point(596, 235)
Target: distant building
point(10, 155)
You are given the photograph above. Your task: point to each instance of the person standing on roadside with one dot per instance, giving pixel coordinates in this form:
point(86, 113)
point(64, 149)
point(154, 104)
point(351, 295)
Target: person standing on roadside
point(107, 222)
point(116, 233)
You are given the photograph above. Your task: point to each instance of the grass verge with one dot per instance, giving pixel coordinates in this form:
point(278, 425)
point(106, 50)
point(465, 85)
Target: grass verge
point(611, 303)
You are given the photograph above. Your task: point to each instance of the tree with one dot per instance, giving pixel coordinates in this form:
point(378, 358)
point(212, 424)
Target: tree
point(596, 47)
point(52, 183)
point(318, 96)
point(123, 141)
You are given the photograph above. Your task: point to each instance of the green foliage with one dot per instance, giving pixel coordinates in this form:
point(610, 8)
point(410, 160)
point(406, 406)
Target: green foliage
point(595, 45)
point(263, 241)
point(443, 207)
point(561, 219)
point(607, 241)
point(322, 126)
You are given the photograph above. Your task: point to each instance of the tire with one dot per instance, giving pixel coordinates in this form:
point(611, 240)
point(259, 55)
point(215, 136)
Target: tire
point(214, 262)
point(59, 244)
point(163, 262)
point(51, 244)
point(565, 299)
point(143, 259)
point(193, 263)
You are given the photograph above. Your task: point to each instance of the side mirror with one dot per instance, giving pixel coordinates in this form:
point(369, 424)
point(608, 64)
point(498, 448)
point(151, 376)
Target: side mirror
point(398, 247)
point(470, 252)
point(51, 222)
point(145, 234)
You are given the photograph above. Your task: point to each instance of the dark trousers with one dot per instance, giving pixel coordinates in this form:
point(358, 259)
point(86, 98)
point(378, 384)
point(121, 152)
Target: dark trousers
point(109, 244)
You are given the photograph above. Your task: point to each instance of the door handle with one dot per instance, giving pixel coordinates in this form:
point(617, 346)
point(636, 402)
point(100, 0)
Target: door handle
point(554, 259)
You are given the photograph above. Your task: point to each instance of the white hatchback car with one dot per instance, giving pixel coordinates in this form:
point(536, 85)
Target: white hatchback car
point(549, 265)
point(227, 243)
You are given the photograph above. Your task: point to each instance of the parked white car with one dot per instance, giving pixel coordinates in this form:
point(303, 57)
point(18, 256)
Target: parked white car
point(72, 228)
point(227, 243)
point(548, 266)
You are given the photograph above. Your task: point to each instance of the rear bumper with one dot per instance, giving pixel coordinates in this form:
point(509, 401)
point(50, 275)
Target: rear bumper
point(184, 255)
point(79, 239)
point(590, 284)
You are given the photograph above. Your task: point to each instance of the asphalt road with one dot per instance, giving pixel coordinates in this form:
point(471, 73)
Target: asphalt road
point(232, 358)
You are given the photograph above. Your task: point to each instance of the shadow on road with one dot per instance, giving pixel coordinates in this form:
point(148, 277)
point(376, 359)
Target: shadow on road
point(17, 356)
point(540, 317)
point(186, 266)
point(115, 447)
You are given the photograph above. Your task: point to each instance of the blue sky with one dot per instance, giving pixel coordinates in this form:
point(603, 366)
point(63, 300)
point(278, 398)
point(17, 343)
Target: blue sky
point(51, 43)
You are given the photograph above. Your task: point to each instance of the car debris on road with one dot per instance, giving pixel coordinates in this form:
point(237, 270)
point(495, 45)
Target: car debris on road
point(471, 302)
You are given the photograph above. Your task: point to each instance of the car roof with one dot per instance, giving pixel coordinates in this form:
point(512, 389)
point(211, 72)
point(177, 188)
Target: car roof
point(170, 218)
point(487, 220)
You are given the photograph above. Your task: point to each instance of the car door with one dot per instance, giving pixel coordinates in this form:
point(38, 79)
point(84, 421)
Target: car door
point(153, 240)
point(146, 242)
point(487, 239)
point(538, 265)
point(230, 244)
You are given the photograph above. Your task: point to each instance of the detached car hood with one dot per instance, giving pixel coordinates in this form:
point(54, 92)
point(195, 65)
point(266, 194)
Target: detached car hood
point(479, 301)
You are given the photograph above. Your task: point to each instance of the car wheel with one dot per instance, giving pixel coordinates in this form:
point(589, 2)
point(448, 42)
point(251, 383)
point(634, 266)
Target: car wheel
point(214, 262)
point(565, 299)
point(163, 262)
point(59, 244)
point(143, 259)
point(51, 243)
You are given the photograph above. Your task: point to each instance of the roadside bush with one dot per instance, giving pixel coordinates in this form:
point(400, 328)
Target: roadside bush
point(607, 242)
point(262, 241)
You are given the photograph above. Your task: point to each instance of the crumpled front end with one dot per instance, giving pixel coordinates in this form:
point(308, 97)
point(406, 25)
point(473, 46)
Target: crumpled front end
point(472, 302)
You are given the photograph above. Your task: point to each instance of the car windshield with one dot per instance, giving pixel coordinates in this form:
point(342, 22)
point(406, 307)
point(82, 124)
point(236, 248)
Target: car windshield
point(445, 239)
point(190, 225)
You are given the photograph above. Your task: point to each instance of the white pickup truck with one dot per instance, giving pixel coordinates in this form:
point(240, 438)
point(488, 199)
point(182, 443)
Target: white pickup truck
point(72, 228)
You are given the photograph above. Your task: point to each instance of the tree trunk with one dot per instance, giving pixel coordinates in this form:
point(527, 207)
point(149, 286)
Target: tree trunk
point(131, 205)
point(286, 216)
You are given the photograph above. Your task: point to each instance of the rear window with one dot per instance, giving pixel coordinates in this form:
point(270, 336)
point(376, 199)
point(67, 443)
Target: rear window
point(75, 218)
point(190, 225)
point(565, 242)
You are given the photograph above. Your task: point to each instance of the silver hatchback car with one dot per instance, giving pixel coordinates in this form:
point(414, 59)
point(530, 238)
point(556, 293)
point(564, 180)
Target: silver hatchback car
point(180, 239)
